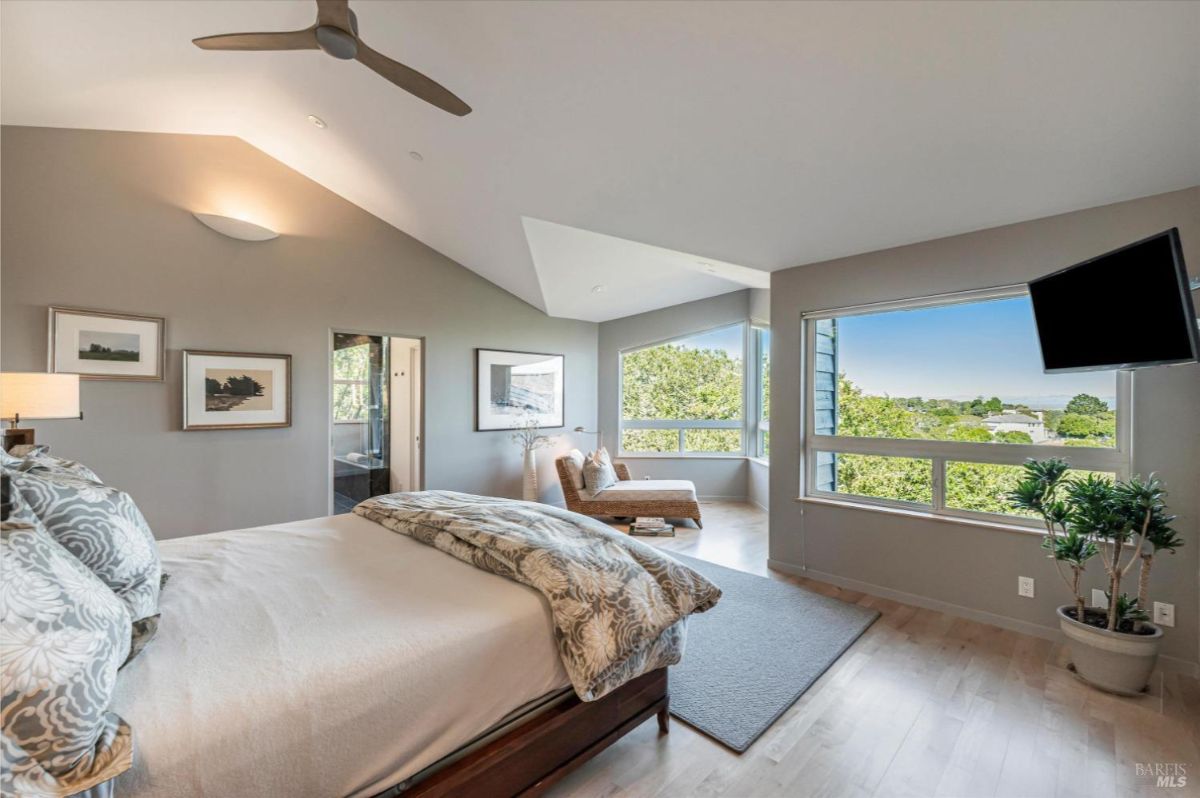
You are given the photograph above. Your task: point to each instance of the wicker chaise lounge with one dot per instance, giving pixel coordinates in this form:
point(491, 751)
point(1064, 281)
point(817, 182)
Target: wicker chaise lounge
point(669, 498)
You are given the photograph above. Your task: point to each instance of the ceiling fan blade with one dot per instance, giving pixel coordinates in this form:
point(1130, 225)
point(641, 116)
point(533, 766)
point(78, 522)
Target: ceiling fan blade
point(335, 13)
point(412, 81)
point(283, 40)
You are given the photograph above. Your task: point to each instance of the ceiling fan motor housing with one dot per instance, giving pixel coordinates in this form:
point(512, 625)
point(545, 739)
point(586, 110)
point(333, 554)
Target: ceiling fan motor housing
point(336, 42)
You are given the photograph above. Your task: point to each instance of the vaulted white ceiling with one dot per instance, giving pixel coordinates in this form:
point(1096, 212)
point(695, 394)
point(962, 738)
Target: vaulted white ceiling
point(742, 134)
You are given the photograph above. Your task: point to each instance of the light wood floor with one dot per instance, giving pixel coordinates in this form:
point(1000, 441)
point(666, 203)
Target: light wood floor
point(923, 704)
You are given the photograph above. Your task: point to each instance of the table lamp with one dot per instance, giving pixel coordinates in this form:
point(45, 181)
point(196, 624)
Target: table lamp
point(35, 395)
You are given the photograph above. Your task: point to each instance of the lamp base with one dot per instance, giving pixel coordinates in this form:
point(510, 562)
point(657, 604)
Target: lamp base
point(17, 437)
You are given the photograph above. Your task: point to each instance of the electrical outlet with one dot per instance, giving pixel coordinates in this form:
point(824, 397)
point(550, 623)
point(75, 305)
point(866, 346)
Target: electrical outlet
point(1098, 598)
point(1164, 614)
point(1025, 586)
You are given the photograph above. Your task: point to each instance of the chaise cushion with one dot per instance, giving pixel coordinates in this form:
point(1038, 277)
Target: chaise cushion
point(646, 490)
point(574, 460)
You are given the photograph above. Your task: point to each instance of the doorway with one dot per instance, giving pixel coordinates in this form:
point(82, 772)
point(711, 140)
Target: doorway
point(376, 416)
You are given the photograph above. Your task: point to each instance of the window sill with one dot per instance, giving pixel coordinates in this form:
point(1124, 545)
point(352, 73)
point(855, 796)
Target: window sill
point(924, 516)
point(762, 461)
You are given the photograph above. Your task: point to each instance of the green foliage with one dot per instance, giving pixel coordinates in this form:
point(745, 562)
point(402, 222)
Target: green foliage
point(1014, 436)
point(865, 416)
point(1127, 611)
point(1076, 425)
point(1085, 404)
point(975, 433)
point(1073, 548)
point(649, 440)
point(899, 478)
point(676, 382)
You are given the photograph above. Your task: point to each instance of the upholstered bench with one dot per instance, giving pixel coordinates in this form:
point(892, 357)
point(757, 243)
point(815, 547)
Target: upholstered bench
point(669, 498)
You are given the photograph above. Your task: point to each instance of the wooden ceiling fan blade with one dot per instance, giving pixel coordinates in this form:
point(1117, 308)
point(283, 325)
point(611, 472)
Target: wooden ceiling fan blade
point(412, 81)
point(335, 13)
point(283, 40)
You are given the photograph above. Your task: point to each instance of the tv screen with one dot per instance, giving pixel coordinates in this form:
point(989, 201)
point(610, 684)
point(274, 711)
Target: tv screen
point(1126, 309)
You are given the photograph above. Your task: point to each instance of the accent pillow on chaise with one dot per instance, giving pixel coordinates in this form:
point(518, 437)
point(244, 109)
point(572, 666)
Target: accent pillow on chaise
point(103, 527)
point(63, 634)
point(598, 471)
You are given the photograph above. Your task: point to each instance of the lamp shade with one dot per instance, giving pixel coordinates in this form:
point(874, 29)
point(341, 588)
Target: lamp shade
point(38, 395)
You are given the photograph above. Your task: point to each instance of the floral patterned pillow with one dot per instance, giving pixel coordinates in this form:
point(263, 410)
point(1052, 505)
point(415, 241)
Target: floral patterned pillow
point(63, 634)
point(40, 461)
point(103, 527)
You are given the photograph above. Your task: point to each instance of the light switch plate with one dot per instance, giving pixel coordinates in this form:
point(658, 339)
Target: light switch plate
point(1164, 614)
point(1098, 598)
point(1025, 586)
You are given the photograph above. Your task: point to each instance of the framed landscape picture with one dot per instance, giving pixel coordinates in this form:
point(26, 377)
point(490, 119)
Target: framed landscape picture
point(101, 345)
point(509, 385)
point(236, 390)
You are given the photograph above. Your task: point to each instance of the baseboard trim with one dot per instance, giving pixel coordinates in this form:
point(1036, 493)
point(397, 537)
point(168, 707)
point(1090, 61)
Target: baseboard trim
point(1168, 663)
point(715, 498)
point(762, 507)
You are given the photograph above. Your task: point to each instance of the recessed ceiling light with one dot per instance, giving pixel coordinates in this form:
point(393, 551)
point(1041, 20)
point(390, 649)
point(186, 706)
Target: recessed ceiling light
point(416, 156)
point(599, 289)
point(318, 121)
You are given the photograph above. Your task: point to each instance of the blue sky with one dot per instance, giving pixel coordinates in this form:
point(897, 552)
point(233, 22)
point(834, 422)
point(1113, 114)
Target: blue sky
point(958, 352)
point(727, 338)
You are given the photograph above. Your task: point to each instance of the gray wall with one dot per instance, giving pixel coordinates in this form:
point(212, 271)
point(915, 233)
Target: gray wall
point(970, 567)
point(103, 220)
point(715, 477)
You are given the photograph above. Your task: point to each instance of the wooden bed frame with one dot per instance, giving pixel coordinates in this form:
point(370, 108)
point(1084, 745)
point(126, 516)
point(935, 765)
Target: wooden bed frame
point(536, 755)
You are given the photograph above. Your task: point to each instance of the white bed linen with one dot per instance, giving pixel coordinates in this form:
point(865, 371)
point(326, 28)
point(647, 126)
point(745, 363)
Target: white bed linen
point(329, 657)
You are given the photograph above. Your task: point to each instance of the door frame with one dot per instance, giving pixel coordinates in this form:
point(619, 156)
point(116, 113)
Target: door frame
point(423, 344)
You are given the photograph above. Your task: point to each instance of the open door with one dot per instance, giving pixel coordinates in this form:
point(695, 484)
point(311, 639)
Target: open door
point(375, 416)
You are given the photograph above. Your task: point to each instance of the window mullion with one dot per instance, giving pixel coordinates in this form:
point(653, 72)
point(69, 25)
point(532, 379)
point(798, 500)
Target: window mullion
point(939, 484)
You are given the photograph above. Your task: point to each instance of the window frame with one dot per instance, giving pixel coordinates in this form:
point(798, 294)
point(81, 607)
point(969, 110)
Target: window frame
point(682, 425)
point(1116, 460)
point(758, 425)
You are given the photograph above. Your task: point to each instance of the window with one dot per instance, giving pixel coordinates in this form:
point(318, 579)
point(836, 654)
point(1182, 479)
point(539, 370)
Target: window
point(762, 348)
point(936, 404)
point(351, 383)
point(685, 396)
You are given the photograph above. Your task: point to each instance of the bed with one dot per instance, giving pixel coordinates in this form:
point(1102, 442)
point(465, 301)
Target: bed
point(335, 657)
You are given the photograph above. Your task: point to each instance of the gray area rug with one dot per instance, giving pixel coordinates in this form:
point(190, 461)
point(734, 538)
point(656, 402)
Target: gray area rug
point(749, 658)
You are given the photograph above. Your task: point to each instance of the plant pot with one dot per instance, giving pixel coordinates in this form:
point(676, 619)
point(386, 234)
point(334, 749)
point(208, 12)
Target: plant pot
point(1117, 662)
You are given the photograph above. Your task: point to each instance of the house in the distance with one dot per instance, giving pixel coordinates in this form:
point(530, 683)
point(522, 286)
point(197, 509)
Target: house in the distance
point(1012, 421)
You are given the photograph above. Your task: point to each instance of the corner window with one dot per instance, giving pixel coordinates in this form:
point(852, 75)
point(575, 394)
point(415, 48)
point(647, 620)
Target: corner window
point(936, 404)
point(685, 396)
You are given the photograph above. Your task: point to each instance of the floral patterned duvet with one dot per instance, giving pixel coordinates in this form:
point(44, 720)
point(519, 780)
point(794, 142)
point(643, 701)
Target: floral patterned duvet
point(620, 607)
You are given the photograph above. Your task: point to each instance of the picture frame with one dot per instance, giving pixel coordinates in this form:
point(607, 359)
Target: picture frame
point(106, 345)
point(236, 390)
point(510, 385)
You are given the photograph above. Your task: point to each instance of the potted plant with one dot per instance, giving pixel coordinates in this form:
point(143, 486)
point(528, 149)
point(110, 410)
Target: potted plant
point(1125, 523)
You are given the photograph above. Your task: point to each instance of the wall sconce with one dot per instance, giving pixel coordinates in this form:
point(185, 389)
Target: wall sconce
point(35, 395)
point(236, 228)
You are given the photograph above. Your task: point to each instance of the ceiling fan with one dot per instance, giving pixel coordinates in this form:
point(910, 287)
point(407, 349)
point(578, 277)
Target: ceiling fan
point(336, 32)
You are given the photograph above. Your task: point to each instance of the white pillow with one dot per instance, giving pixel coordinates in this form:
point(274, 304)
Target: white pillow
point(598, 471)
point(575, 468)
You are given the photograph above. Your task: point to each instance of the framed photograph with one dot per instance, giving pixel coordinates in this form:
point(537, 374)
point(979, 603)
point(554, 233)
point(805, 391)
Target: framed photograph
point(101, 345)
point(509, 385)
point(236, 390)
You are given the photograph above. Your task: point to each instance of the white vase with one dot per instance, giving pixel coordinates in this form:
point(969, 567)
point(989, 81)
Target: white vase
point(530, 492)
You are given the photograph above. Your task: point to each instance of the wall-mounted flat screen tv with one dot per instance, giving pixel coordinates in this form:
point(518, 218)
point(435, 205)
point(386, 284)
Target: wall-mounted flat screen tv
point(1126, 309)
